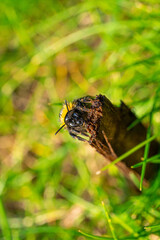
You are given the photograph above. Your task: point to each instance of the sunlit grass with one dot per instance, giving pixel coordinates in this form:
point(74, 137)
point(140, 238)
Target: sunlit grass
point(126, 154)
point(52, 51)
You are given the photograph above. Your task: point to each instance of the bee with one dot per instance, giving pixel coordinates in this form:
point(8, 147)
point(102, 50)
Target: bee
point(73, 116)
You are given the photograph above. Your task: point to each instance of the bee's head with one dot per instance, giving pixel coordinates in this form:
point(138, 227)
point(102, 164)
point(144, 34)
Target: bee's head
point(73, 118)
point(70, 116)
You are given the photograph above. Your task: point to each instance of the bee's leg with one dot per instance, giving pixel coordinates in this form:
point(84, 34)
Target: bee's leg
point(73, 135)
point(78, 137)
point(83, 109)
point(84, 134)
point(81, 139)
point(80, 103)
point(75, 132)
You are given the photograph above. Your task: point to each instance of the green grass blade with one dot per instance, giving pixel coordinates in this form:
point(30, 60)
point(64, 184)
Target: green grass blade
point(144, 163)
point(154, 159)
point(95, 237)
point(134, 123)
point(123, 224)
point(4, 222)
point(109, 222)
point(146, 150)
point(123, 156)
point(152, 227)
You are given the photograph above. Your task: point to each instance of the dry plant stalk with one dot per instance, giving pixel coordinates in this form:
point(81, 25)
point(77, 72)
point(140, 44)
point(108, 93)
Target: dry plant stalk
point(109, 134)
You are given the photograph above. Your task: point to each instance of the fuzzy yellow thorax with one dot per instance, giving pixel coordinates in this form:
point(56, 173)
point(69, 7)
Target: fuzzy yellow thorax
point(64, 112)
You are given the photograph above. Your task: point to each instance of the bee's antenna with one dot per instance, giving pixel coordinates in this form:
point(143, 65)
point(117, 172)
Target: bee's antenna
point(59, 129)
point(67, 105)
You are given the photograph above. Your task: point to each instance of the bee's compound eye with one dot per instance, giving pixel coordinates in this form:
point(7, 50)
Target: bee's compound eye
point(75, 115)
point(74, 119)
point(79, 122)
point(67, 118)
point(77, 118)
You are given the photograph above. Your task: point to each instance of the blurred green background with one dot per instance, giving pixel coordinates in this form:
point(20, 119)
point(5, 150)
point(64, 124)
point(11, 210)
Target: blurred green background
point(56, 50)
